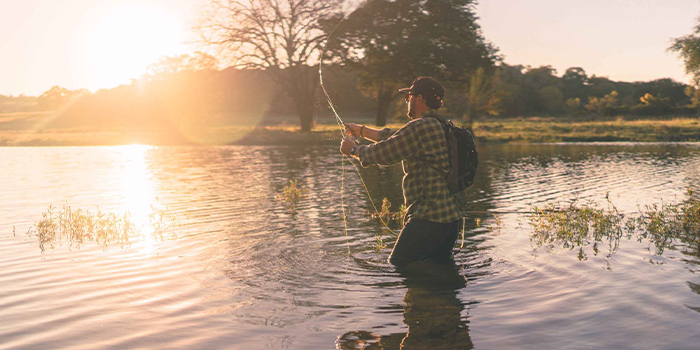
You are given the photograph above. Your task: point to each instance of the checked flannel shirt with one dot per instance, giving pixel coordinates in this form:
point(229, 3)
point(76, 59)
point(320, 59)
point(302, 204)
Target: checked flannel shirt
point(425, 191)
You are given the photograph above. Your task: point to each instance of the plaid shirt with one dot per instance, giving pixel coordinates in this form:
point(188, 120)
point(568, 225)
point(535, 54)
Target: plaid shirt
point(425, 190)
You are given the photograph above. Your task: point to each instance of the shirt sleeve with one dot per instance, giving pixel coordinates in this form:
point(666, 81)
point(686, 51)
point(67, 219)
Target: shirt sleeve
point(385, 134)
point(402, 144)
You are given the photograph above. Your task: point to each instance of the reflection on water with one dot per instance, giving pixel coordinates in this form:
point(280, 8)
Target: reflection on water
point(247, 272)
point(432, 312)
point(143, 218)
point(138, 190)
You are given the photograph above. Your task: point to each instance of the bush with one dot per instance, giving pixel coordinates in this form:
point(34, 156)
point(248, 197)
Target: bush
point(613, 111)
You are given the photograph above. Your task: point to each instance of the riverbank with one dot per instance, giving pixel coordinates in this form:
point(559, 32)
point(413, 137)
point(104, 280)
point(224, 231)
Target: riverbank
point(528, 130)
point(555, 130)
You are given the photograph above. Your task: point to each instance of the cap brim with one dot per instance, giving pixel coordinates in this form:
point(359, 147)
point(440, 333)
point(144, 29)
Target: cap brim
point(405, 89)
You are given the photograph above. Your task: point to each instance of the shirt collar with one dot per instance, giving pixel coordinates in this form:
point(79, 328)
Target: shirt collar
point(428, 112)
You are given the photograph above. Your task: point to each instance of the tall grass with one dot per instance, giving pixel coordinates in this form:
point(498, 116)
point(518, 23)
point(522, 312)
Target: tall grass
point(291, 194)
point(78, 226)
point(665, 226)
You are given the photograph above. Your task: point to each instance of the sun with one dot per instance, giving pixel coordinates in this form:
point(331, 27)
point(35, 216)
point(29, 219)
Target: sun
point(125, 39)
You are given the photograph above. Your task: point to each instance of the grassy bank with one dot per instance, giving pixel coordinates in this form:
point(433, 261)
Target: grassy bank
point(27, 130)
point(555, 130)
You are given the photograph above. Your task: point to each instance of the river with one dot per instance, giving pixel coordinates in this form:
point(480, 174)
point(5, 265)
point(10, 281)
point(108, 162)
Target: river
point(243, 270)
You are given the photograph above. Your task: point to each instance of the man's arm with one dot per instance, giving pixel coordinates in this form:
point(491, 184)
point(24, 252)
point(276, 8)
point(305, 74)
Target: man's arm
point(402, 145)
point(367, 132)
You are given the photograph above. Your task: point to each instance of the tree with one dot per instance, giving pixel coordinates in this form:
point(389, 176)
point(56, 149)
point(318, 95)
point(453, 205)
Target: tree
point(392, 42)
point(551, 98)
point(694, 95)
point(574, 81)
point(58, 96)
point(511, 87)
point(175, 64)
point(483, 96)
point(688, 48)
point(537, 93)
point(664, 88)
point(599, 105)
point(573, 105)
point(283, 38)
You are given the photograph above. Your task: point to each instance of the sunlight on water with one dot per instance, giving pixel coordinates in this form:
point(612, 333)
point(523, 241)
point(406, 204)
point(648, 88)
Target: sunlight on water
point(138, 192)
point(246, 272)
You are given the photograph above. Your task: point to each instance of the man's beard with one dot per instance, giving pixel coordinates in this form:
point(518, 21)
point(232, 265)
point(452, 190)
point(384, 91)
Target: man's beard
point(411, 110)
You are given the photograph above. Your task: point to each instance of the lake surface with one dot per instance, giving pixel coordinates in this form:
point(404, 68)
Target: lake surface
point(245, 271)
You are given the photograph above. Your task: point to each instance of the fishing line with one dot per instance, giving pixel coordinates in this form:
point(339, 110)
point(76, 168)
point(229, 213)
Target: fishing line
point(340, 123)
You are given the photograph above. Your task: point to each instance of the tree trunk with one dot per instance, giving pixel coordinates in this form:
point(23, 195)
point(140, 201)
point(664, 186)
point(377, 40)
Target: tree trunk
point(384, 100)
point(305, 112)
point(468, 120)
point(302, 93)
point(307, 121)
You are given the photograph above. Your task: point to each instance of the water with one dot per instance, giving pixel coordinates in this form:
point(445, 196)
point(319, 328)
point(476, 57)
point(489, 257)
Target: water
point(246, 272)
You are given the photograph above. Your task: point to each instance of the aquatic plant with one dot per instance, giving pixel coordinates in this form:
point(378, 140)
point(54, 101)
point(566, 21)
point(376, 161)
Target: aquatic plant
point(578, 226)
point(497, 224)
point(663, 225)
point(386, 216)
point(378, 244)
point(79, 226)
point(291, 194)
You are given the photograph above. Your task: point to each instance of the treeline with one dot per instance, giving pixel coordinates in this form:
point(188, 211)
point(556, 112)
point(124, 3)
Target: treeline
point(523, 91)
point(368, 55)
point(21, 103)
point(182, 93)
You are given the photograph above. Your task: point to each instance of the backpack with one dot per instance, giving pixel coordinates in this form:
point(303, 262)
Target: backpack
point(463, 156)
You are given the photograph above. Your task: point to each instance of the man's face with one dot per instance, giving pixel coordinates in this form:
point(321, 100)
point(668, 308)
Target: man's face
point(411, 101)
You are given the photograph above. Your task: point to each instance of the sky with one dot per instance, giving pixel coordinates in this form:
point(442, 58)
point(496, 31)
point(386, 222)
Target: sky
point(94, 44)
point(621, 39)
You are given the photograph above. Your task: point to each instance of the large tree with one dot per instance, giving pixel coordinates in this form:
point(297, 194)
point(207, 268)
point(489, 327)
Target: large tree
point(390, 42)
point(282, 37)
point(688, 48)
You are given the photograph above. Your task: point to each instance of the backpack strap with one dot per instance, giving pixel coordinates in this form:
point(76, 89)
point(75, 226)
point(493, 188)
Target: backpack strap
point(451, 176)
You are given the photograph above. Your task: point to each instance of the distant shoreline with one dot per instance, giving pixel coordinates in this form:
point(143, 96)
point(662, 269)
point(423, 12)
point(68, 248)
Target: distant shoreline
point(490, 131)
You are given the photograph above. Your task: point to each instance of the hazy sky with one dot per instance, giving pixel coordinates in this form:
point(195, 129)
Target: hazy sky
point(97, 44)
point(621, 39)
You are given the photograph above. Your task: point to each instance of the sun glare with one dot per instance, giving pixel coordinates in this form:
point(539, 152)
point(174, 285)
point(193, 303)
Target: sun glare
point(124, 40)
point(137, 190)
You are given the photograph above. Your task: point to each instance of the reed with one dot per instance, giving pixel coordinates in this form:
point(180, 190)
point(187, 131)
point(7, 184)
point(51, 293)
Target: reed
point(385, 215)
point(378, 244)
point(291, 194)
point(582, 225)
point(78, 226)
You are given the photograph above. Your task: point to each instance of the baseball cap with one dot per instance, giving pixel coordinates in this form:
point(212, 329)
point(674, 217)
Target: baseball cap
point(425, 85)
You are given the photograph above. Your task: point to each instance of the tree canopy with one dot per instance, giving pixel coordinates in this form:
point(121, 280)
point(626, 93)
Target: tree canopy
point(391, 42)
point(688, 48)
point(282, 37)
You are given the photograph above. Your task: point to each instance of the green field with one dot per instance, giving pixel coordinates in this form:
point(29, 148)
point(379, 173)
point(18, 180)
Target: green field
point(28, 129)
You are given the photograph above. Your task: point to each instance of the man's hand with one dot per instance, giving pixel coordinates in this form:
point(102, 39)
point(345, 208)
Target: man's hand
point(347, 144)
point(352, 129)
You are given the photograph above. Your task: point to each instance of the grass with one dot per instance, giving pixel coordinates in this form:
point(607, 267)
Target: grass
point(78, 226)
point(581, 226)
point(291, 194)
point(574, 130)
point(24, 129)
point(386, 217)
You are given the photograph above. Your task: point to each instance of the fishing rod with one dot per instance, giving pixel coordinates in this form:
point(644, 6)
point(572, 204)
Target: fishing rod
point(341, 125)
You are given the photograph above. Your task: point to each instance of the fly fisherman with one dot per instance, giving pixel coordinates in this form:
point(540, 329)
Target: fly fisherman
point(432, 212)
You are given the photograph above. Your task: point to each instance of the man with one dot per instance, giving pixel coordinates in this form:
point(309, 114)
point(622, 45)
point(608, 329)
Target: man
point(432, 212)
